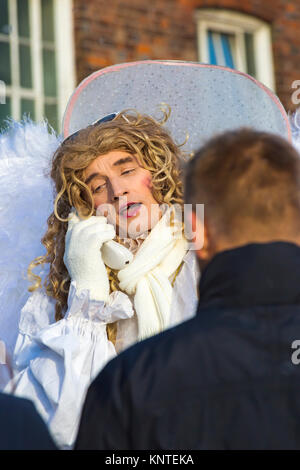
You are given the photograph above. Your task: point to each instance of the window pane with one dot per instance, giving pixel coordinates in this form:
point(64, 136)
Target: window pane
point(5, 75)
point(25, 66)
point(23, 19)
point(51, 115)
point(2, 92)
point(47, 20)
point(211, 49)
point(221, 48)
point(4, 21)
point(249, 43)
point(227, 41)
point(49, 72)
point(27, 107)
point(5, 112)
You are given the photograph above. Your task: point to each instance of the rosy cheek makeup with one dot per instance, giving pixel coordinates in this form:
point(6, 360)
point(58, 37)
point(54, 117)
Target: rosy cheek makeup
point(147, 181)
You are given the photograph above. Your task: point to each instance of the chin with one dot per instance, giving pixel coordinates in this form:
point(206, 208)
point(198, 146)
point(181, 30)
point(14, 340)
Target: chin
point(134, 228)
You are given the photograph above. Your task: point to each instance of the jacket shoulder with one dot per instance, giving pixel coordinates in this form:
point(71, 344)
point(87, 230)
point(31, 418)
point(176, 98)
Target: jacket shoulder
point(22, 427)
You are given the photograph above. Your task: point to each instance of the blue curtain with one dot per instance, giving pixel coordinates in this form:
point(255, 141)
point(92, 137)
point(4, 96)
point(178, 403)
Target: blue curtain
point(220, 52)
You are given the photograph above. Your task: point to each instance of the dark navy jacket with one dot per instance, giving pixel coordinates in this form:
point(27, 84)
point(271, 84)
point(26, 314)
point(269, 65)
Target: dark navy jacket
point(21, 427)
point(226, 379)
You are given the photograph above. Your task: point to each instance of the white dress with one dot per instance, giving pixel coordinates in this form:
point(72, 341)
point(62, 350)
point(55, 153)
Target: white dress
point(58, 360)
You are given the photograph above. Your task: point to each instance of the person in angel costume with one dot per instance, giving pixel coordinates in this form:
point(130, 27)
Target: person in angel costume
point(116, 177)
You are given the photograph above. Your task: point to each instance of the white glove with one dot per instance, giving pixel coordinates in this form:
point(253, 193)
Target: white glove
point(82, 257)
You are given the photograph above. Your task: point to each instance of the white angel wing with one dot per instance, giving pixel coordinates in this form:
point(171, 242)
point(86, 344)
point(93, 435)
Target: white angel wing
point(26, 201)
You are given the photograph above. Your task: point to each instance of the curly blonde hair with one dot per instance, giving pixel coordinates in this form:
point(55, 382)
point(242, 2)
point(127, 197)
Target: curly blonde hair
point(129, 131)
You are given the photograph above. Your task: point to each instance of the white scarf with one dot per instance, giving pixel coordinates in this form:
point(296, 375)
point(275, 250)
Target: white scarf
point(147, 276)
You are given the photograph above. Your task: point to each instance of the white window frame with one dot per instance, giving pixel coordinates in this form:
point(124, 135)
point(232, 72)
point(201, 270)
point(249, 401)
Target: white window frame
point(235, 23)
point(64, 53)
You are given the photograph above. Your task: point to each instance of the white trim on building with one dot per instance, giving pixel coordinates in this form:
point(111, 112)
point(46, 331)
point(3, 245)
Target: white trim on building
point(237, 24)
point(62, 46)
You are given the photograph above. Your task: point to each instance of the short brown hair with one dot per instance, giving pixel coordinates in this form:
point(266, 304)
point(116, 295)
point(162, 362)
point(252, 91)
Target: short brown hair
point(247, 180)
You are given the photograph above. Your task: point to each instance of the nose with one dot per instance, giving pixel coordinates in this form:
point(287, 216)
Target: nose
point(118, 188)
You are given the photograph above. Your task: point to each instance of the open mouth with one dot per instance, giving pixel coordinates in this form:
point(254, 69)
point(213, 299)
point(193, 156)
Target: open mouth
point(130, 210)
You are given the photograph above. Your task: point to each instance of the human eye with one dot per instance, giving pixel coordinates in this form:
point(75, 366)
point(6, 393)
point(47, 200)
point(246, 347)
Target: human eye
point(126, 172)
point(99, 188)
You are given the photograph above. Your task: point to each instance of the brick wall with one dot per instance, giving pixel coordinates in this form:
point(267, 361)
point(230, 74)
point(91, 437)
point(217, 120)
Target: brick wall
point(114, 31)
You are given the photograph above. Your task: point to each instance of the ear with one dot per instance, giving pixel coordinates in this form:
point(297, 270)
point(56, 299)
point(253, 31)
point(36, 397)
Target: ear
point(202, 244)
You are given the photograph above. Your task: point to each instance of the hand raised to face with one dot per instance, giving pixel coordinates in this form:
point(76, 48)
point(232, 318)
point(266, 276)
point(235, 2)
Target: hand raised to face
point(82, 257)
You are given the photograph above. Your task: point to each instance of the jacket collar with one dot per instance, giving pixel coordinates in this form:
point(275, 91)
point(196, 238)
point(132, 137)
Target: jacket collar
point(254, 274)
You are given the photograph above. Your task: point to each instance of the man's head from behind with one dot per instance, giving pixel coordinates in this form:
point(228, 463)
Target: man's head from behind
point(249, 183)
